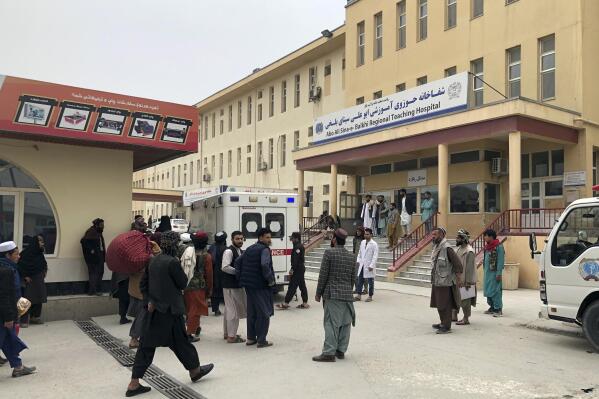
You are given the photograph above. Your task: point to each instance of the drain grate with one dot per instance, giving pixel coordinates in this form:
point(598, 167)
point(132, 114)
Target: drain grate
point(156, 378)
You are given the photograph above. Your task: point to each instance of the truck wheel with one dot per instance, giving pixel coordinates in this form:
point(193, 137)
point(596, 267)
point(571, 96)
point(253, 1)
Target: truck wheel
point(590, 324)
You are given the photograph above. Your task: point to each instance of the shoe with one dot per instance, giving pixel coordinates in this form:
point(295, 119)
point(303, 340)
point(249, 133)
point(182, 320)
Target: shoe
point(217, 313)
point(357, 299)
point(24, 325)
point(36, 320)
point(324, 358)
point(193, 338)
point(489, 311)
point(134, 343)
point(198, 331)
point(369, 299)
point(364, 292)
point(124, 320)
point(204, 370)
point(498, 313)
point(265, 344)
point(137, 391)
point(443, 330)
point(436, 326)
point(23, 371)
point(463, 323)
point(340, 355)
point(251, 342)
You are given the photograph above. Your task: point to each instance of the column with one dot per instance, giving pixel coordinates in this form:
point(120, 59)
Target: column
point(515, 170)
point(300, 197)
point(443, 177)
point(333, 191)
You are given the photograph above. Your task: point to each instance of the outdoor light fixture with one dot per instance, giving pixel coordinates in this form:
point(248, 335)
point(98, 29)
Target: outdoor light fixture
point(327, 33)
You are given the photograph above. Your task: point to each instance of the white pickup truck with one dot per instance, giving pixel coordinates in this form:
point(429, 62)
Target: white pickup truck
point(569, 268)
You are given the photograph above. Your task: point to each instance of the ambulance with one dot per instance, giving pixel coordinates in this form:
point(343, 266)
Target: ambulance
point(248, 212)
point(569, 268)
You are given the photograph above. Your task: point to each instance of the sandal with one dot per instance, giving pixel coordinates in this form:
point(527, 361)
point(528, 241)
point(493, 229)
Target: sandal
point(303, 306)
point(282, 306)
point(236, 340)
point(462, 323)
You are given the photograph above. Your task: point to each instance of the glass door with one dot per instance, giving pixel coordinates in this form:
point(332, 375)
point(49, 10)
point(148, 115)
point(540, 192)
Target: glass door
point(532, 199)
point(9, 217)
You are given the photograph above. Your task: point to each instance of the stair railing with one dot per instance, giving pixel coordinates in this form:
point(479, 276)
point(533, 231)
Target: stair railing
point(410, 245)
point(314, 230)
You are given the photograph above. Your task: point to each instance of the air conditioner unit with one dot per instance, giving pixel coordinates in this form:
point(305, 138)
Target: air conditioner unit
point(315, 93)
point(262, 165)
point(206, 178)
point(499, 166)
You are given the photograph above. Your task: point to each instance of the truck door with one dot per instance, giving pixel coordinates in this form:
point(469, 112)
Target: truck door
point(274, 219)
point(251, 220)
point(572, 269)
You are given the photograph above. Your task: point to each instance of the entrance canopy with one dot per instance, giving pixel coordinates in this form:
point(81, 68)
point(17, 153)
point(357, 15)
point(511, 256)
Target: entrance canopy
point(155, 131)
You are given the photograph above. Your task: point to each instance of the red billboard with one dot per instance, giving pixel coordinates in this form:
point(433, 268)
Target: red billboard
point(154, 130)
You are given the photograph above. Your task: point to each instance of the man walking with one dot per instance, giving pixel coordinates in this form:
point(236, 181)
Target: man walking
point(335, 285)
point(393, 225)
point(493, 264)
point(257, 276)
point(162, 287)
point(445, 277)
point(297, 272)
point(235, 301)
point(468, 290)
point(94, 252)
point(406, 210)
point(367, 257)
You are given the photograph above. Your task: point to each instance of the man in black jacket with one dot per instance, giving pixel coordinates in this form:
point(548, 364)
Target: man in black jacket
point(297, 272)
point(94, 253)
point(162, 287)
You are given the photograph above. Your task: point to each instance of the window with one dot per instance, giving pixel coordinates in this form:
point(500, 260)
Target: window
point(327, 69)
point(489, 155)
point(540, 164)
point(400, 87)
point(325, 189)
point(421, 81)
point(343, 64)
point(220, 165)
point(557, 162)
point(249, 118)
point(239, 161)
point(191, 172)
point(476, 67)
point(312, 80)
point(213, 125)
point(271, 155)
point(249, 165)
point(185, 179)
point(513, 72)
point(575, 235)
point(296, 99)
point(554, 188)
point(377, 94)
point(478, 8)
point(296, 140)
point(248, 149)
point(173, 179)
point(451, 14)
point(361, 44)
point(179, 176)
point(283, 154)
point(434, 190)
point(271, 101)
point(259, 95)
point(525, 165)
point(401, 24)
point(451, 71)
point(378, 35)
point(422, 19)
point(325, 206)
point(463, 198)
point(380, 169)
point(222, 126)
point(492, 198)
point(360, 100)
point(310, 131)
point(250, 224)
point(239, 114)
point(429, 162)
point(462, 157)
point(205, 128)
point(283, 96)
point(259, 116)
point(230, 125)
point(199, 170)
point(547, 67)
point(260, 155)
point(213, 166)
point(275, 222)
point(410, 164)
point(229, 163)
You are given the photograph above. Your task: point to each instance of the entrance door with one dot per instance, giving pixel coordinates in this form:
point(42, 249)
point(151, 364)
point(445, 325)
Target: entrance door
point(532, 198)
point(9, 217)
point(274, 220)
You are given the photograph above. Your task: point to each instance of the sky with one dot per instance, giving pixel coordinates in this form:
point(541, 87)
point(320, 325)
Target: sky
point(171, 50)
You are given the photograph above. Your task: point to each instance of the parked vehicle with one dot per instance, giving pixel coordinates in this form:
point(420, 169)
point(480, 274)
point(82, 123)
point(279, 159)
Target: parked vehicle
point(569, 268)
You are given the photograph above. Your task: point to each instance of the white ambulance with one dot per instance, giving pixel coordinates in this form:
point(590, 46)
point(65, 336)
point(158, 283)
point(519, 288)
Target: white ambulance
point(569, 275)
point(248, 212)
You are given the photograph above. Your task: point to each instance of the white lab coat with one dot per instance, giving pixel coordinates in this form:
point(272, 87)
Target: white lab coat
point(367, 257)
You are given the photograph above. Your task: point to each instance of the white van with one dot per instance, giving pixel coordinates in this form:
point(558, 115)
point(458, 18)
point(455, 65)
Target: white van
point(569, 263)
point(248, 212)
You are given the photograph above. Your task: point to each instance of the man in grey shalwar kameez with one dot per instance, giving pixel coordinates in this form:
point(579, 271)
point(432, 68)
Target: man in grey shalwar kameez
point(335, 287)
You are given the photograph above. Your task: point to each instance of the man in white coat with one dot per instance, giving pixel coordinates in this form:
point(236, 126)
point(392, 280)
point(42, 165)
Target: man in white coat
point(367, 257)
point(368, 212)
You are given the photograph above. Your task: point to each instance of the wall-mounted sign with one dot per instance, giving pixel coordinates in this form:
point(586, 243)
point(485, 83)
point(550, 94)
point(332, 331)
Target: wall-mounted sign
point(175, 129)
point(74, 116)
point(34, 110)
point(417, 178)
point(144, 125)
point(111, 120)
point(578, 178)
point(422, 102)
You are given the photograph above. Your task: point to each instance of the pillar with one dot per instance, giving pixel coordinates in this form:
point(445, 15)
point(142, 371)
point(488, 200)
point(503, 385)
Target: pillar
point(443, 177)
point(300, 197)
point(515, 170)
point(333, 191)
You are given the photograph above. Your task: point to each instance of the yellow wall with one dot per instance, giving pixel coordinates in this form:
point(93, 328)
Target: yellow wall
point(82, 183)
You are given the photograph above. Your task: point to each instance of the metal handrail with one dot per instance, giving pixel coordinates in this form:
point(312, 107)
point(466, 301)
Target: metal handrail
point(313, 230)
point(412, 240)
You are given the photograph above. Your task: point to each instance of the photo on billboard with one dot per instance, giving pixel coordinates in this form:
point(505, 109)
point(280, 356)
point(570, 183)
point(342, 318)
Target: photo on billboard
point(35, 110)
point(144, 125)
point(74, 116)
point(111, 121)
point(175, 130)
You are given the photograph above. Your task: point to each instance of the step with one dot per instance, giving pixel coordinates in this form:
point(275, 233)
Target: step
point(418, 269)
point(417, 276)
point(411, 281)
point(422, 263)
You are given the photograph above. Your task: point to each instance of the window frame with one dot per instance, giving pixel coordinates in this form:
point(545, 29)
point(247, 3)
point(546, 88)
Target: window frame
point(283, 96)
point(401, 25)
point(377, 50)
point(552, 70)
point(297, 90)
point(451, 7)
point(361, 44)
point(422, 33)
point(477, 184)
point(477, 77)
point(271, 101)
point(473, 9)
point(511, 64)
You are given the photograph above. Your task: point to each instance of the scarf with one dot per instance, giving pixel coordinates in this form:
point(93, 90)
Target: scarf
point(491, 248)
point(32, 260)
point(437, 249)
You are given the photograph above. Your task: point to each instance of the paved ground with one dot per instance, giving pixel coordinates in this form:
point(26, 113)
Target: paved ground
point(393, 354)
